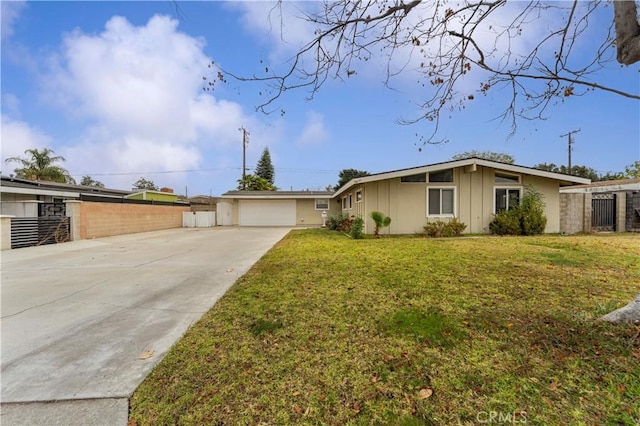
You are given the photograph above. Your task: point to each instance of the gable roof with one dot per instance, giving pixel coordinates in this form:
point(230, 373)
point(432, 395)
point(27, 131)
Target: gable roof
point(564, 179)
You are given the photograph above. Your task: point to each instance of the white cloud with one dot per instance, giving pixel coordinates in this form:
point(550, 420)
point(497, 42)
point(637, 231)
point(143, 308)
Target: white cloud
point(314, 131)
point(9, 14)
point(140, 88)
point(17, 137)
point(11, 105)
point(282, 25)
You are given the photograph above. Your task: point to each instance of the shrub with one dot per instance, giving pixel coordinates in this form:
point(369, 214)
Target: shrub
point(533, 219)
point(340, 222)
point(439, 228)
point(357, 227)
point(380, 220)
point(506, 222)
point(526, 219)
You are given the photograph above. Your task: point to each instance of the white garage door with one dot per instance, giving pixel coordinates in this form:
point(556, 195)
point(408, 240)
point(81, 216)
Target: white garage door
point(267, 213)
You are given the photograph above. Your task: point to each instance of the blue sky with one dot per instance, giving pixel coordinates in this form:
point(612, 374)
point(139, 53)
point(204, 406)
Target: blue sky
point(116, 88)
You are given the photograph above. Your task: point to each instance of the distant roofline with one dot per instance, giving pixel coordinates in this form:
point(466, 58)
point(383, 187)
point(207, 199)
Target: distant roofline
point(277, 194)
point(53, 188)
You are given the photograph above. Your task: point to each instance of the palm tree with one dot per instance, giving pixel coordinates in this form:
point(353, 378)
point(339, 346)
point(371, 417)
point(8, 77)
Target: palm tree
point(381, 221)
point(41, 166)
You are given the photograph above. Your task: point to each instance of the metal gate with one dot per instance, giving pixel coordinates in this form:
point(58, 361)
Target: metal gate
point(49, 228)
point(603, 212)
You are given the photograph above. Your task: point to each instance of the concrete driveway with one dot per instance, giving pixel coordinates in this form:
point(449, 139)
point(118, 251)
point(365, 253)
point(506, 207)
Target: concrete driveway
point(84, 322)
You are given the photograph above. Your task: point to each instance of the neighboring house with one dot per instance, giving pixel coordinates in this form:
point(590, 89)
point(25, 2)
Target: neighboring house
point(20, 197)
point(471, 190)
point(276, 208)
point(612, 205)
point(164, 195)
point(42, 212)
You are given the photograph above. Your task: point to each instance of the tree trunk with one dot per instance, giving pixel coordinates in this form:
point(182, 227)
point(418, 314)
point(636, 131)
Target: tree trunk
point(627, 31)
point(627, 314)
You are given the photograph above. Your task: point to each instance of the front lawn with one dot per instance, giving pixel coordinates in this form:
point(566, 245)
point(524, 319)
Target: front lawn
point(328, 330)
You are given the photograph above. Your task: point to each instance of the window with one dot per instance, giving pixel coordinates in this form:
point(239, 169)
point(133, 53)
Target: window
point(506, 198)
point(358, 196)
point(344, 203)
point(422, 177)
point(350, 201)
point(441, 202)
point(441, 176)
point(322, 204)
point(507, 178)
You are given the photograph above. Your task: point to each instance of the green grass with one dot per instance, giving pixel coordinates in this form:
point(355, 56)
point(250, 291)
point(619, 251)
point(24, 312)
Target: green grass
point(329, 330)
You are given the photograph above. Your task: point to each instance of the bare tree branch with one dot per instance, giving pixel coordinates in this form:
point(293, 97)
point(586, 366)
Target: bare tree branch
point(450, 44)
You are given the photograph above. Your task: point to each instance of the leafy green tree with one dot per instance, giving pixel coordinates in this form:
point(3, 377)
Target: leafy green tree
point(346, 175)
point(632, 171)
point(486, 155)
point(255, 183)
point(612, 176)
point(143, 183)
point(580, 171)
point(264, 168)
point(41, 165)
point(381, 221)
point(89, 181)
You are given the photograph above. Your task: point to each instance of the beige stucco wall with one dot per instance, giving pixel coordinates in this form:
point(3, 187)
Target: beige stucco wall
point(406, 203)
point(5, 232)
point(306, 213)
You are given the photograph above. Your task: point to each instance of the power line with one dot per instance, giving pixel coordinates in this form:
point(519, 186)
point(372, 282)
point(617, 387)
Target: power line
point(214, 169)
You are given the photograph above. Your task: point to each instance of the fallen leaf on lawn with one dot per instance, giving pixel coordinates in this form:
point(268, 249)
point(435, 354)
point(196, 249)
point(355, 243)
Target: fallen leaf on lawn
point(297, 409)
point(374, 379)
point(388, 357)
point(296, 393)
point(533, 379)
point(553, 386)
point(147, 354)
point(425, 393)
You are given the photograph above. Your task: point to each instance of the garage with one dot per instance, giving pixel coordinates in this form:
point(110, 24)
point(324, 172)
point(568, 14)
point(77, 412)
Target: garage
point(267, 213)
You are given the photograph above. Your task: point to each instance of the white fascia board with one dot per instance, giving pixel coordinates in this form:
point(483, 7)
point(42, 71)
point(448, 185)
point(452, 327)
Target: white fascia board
point(275, 197)
point(29, 191)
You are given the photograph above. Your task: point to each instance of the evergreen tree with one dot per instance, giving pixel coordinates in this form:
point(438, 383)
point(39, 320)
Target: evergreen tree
point(264, 168)
point(346, 175)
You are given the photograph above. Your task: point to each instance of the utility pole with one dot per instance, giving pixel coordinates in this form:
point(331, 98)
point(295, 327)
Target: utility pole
point(569, 143)
point(245, 141)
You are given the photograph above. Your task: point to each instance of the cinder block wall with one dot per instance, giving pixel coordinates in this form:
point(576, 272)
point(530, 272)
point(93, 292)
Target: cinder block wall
point(107, 219)
point(572, 213)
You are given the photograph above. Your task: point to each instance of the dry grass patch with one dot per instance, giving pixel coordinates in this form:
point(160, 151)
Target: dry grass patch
point(328, 330)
